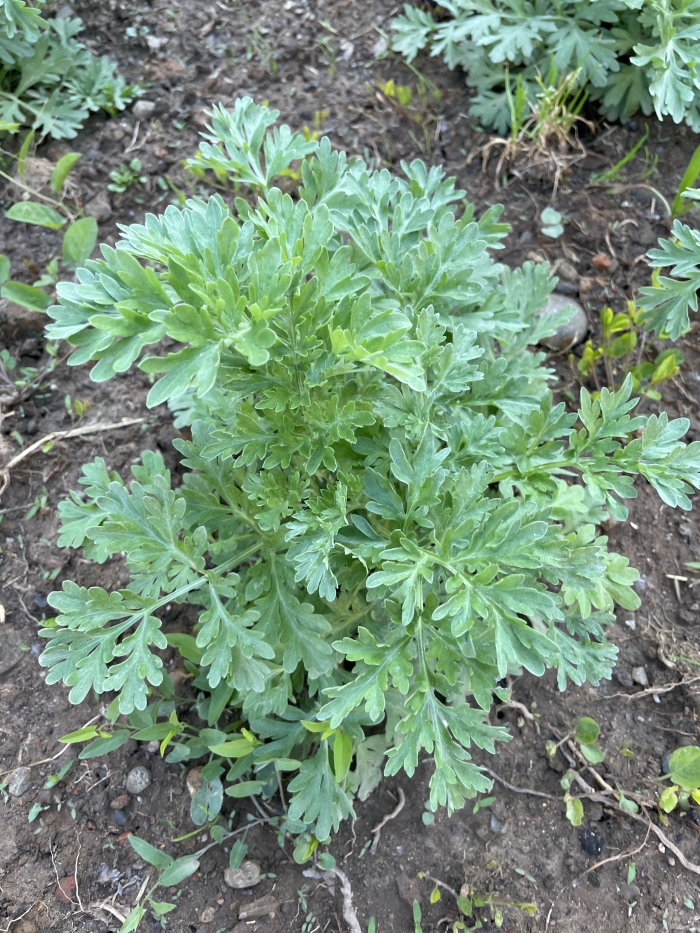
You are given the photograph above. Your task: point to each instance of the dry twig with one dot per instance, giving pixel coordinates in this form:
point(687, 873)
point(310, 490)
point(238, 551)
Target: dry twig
point(621, 856)
point(652, 690)
point(99, 905)
point(348, 909)
point(99, 427)
point(377, 831)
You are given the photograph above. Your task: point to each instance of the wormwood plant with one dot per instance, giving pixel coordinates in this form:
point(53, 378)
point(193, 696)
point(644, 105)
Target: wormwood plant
point(666, 302)
point(633, 54)
point(382, 510)
point(48, 80)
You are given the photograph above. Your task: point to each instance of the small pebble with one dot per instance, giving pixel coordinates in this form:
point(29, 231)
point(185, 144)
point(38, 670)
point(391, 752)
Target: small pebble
point(623, 676)
point(119, 802)
point(639, 676)
point(138, 780)
point(591, 841)
point(193, 781)
point(99, 207)
point(120, 817)
point(259, 908)
point(245, 876)
point(602, 262)
point(566, 271)
point(19, 782)
point(143, 109)
point(575, 329)
point(65, 890)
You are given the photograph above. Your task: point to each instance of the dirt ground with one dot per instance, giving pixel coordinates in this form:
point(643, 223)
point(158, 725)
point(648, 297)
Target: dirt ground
point(321, 64)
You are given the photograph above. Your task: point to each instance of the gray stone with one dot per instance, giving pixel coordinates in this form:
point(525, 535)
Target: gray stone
point(19, 782)
point(624, 678)
point(10, 652)
point(259, 908)
point(245, 876)
point(16, 322)
point(143, 109)
point(99, 208)
point(639, 676)
point(138, 780)
point(573, 332)
point(567, 272)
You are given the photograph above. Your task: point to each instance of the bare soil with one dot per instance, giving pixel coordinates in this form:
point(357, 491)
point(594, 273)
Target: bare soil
point(325, 60)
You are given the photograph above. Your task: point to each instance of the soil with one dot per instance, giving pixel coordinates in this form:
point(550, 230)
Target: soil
point(310, 58)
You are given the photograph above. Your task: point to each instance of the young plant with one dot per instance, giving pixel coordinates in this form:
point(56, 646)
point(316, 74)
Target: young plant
point(552, 223)
point(631, 54)
point(690, 176)
point(586, 737)
point(48, 80)
point(375, 523)
point(619, 341)
point(126, 176)
point(78, 241)
point(684, 772)
point(666, 302)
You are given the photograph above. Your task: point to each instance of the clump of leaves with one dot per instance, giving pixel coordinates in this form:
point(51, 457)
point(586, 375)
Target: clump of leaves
point(620, 352)
point(48, 80)
point(377, 520)
point(474, 905)
point(126, 176)
point(586, 737)
point(632, 54)
point(78, 241)
point(684, 772)
point(552, 222)
point(666, 302)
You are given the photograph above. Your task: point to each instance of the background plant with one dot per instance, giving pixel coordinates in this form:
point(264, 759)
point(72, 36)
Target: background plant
point(48, 80)
point(666, 303)
point(125, 176)
point(631, 54)
point(375, 524)
point(684, 773)
point(621, 352)
point(54, 213)
point(541, 141)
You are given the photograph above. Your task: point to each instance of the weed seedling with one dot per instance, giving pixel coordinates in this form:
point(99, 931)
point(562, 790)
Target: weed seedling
point(690, 176)
point(684, 773)
point(39, 503)
point(552, 223)
point(620, 338)
point(126, 176)
point(543, 139)
point(53, 213)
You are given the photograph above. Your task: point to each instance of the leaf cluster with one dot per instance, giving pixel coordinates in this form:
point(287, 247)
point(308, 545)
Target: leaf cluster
point(382, 510)
point(619, 337)
point(666, 303)
point(632, 54)
point(48, 80)
point(684, 772)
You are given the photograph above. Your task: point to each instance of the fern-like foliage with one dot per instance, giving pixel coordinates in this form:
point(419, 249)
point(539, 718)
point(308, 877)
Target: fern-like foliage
point(383, 511)
point(667, 301)
point(633, 54)
point(48, 80)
